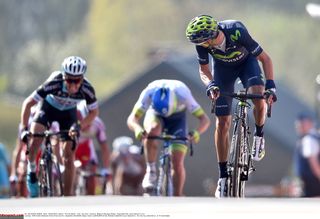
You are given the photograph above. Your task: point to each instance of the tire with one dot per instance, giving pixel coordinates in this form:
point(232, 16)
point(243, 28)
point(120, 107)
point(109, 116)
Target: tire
point(166, 184)
point(42, 177)
point(49, 176)
point(234, 182)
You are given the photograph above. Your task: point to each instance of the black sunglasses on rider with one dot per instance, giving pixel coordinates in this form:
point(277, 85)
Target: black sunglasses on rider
point(73, 80)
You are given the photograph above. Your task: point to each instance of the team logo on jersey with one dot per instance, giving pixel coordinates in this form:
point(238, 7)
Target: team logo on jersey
point(236, 36)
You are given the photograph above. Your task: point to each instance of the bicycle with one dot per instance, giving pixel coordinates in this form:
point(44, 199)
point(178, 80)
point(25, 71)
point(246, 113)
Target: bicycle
point(240, 164)
point(165, 182)
point(82, 177)
point(49, 174)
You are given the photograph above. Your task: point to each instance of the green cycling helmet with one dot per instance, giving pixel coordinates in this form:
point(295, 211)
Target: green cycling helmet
point(201, 29)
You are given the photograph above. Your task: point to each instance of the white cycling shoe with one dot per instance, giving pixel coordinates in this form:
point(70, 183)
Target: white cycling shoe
point(221, 191)
point(258, 148)
point(149, 180)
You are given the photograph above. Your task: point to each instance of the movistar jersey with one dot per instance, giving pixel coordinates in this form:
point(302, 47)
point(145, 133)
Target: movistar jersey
point(185, 100)
point(239, 44)
point(54, 91)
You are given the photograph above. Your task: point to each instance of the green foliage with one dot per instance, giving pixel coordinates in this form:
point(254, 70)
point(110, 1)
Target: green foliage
point(3, 83)
point(9, 117)
point(123, 32)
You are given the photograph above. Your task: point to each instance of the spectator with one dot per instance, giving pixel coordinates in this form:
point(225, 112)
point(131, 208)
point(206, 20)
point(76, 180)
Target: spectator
point(128, 167)
point(307, 155)
point(86, 151)
point(4, 172)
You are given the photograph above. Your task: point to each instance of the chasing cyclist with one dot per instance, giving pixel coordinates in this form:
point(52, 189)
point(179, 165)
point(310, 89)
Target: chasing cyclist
point(235, 55)
point(59, 96)
point(165, 102)
point(86, 152)
point(19, 158)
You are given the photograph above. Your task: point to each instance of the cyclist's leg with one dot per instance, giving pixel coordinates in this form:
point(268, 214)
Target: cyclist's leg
point(179, 173)
point(69, 172)
point(32, 181)
point(152, 125)
point(55, 127)
point(225, 77)
point(66, 119)
point(251, 78)
point(92, 180)
point(176, 125)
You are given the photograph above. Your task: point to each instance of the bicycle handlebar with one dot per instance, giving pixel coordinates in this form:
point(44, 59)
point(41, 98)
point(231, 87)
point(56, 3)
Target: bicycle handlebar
point(47, 134)
point(243, 96)
point(171, 138)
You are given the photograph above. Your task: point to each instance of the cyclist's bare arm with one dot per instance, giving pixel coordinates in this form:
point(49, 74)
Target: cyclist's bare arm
point(204, 123)
point(205, 74)
point(267, 65)
point(26, 109)
point(133, 121)
point(89, 118)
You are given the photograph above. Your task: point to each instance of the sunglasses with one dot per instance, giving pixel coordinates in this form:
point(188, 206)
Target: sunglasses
point(73, 80)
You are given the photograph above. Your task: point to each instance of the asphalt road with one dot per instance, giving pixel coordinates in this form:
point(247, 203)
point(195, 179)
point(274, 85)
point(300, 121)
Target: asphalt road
point(152, 207)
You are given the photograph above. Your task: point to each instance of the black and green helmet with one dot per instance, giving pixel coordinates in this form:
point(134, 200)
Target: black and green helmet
point(202, 28)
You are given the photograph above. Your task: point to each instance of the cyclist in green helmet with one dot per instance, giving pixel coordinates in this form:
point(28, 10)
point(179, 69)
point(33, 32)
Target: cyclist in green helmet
point(235, 55)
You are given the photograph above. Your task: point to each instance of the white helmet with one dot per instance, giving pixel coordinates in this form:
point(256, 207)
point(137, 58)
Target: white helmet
point(74, 66)
point(121, 144)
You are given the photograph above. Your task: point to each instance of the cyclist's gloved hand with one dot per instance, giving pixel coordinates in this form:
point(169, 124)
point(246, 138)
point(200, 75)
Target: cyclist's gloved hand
point(139, 133)
point(270, 91)
point(13, 178)
point(212, 88)
point(195, 136)
point(24, 135)
point(74, 130)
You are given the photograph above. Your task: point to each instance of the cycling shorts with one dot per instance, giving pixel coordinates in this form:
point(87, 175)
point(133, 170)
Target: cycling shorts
point(47, 114)
point(173, 125)
point(249, 73)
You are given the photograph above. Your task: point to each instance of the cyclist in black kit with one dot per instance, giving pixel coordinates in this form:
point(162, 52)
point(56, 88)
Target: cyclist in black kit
point(59, 96)
point(235, 55)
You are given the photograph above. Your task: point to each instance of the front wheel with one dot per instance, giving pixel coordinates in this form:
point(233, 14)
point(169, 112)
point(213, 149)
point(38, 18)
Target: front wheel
point(165, 184)
point(235, 184)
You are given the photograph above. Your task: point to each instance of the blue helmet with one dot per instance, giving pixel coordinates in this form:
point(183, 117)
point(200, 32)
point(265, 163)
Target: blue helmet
point(164, 101)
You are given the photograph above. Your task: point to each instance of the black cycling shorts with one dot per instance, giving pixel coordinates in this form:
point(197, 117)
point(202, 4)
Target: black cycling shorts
point(48, 114)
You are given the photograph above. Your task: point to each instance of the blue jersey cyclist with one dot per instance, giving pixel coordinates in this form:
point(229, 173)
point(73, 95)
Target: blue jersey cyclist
point(58, 96)
point(164, 103)
point(235, 54)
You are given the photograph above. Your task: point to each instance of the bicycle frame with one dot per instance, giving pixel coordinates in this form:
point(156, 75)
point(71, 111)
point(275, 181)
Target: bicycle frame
point(240, 164)
point(49, 169)
point(165, 181)
point(82, 175)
